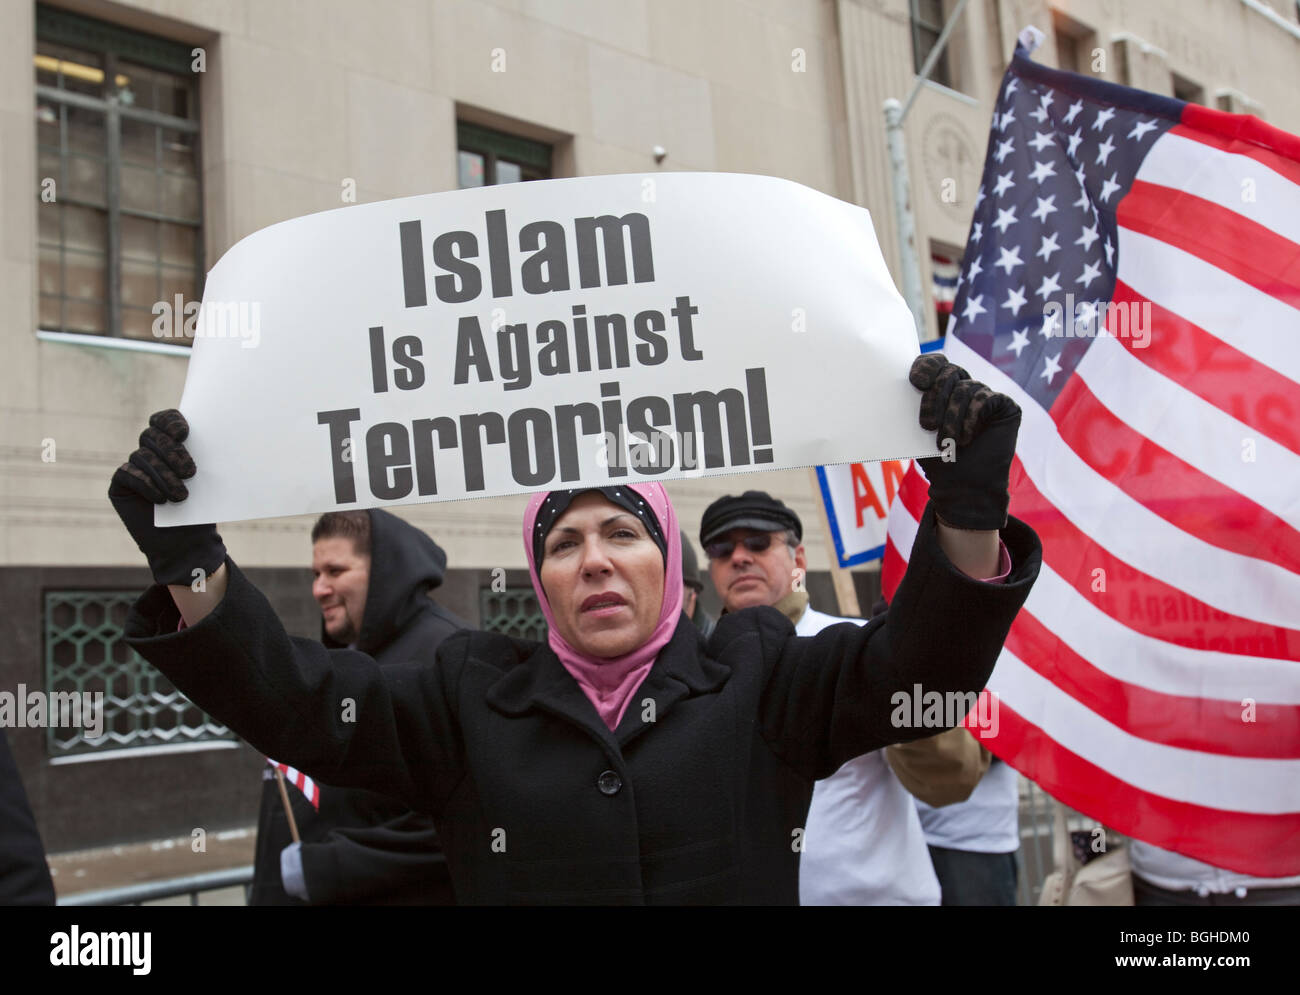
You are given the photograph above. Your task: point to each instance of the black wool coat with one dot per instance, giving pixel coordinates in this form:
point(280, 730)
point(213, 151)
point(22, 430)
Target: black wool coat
point(361, 846)
point(699, 796)
point(24, 874)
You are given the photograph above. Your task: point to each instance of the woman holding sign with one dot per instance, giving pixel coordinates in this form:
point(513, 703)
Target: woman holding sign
point(624, 760)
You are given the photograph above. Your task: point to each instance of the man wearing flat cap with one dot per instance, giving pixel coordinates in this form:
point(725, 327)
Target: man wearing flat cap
point(863, 843)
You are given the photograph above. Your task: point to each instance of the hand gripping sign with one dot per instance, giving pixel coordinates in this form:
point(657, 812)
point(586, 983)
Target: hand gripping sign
point(551, 334)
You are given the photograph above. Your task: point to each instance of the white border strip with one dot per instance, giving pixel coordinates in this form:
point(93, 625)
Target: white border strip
point(1273, 16)
point(111, 342)
point(147, 751)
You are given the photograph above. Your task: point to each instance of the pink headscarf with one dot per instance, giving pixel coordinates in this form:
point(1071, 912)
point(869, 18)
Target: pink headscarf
point(610, 683)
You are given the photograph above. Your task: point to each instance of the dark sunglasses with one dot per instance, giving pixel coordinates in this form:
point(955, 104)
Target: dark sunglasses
point(723, 548)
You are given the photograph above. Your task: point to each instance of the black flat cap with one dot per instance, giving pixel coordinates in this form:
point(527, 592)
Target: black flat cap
point(756, 510)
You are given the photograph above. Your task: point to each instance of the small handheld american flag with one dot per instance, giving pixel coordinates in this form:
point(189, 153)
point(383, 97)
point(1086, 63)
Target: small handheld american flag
point(299, 780)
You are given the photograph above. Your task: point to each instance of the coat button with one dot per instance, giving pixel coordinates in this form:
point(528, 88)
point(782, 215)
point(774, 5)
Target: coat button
point(609, 783)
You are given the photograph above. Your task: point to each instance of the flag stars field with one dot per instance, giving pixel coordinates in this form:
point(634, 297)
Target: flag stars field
point(1009, 259)
point(1015, 300)
point(1051, 368)
point(1104, 150)
point(1140, 129)
point(1091, 271)
point(1041, 171)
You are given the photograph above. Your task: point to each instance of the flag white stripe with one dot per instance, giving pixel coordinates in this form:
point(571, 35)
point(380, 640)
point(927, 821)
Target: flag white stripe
point(1239, 585)
point(1135, 657)
point(1193, 429)
point(1238, 183)
point(902, 528)
point(1222, 782)
point(1248, 319)
point(1145, 661)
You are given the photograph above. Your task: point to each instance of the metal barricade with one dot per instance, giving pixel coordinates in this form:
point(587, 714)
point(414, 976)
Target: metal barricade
point(153, 891)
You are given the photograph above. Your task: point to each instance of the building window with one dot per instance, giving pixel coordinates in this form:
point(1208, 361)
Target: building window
point(1076, 44)
point(1185, 89)
point(1123, 72)
point(927, 25)
point(513, 612)
point(96, 683)
point(486, 157)
point(120, 220)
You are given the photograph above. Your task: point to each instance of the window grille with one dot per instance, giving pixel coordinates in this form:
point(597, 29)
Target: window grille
point(514, 612)
point(86, 652)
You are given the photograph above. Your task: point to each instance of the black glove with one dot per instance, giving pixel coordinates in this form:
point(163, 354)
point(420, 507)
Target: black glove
point(971, 489)
point(151, 476)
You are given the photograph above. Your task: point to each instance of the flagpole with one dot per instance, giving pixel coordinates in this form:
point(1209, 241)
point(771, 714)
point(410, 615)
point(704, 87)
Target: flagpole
point(288, 809)
point(845, 593)
point(909, 261)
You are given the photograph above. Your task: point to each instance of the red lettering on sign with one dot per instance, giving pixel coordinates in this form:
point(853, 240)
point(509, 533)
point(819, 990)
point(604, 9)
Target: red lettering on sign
point(864, 495)
point(893, 472)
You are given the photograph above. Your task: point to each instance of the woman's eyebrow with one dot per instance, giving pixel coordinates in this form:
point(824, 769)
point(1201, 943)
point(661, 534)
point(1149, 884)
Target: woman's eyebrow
point(604, 524)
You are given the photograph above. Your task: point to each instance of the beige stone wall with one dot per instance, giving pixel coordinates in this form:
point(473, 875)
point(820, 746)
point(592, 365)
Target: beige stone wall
point(300, 95)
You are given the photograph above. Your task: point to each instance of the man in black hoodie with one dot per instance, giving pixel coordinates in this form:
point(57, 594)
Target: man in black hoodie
point(373, 573)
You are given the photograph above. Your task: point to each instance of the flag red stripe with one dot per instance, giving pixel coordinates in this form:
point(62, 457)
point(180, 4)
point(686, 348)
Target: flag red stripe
point(1234, 382)
point(1249, 843)
point(892, 566)
point(1242, 136)
point(1171, 488)
point(914, 492)
point(1136, 599)
point(1205, 724)
point(1225, 239)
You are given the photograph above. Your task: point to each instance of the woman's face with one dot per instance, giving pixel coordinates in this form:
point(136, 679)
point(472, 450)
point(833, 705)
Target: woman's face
point(604, 577)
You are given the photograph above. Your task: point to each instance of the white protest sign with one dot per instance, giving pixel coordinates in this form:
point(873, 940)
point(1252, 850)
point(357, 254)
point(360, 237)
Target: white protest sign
point(540, 335)
point(857, 497)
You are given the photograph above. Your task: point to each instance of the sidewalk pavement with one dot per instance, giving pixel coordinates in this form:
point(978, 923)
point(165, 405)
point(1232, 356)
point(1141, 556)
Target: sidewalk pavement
point(157, 860)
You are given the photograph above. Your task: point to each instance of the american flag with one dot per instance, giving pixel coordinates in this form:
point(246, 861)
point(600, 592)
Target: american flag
point(1152, 680)
point(299, 780)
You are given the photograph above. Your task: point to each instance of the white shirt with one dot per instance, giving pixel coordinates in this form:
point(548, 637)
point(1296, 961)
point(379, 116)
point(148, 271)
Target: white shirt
point(1167, 869)
point(986, 822)
point(863, 844)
